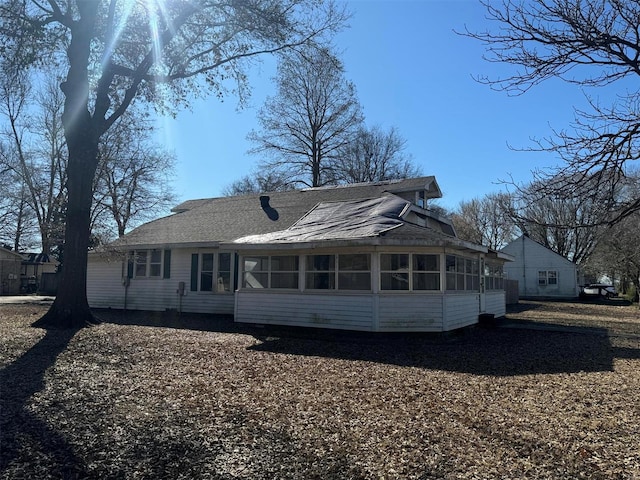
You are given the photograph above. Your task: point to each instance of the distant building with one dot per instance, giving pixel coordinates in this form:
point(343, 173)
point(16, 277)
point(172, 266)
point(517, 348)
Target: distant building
point(10, 267)
point(540, 272)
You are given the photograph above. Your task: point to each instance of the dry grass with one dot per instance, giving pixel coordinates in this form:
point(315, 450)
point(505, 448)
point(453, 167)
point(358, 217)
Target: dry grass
point(215, 400)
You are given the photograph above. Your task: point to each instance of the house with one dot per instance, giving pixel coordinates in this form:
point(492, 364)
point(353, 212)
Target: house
point(540, 272)
point(367, 257)
point(10, 263)
point(35, 266)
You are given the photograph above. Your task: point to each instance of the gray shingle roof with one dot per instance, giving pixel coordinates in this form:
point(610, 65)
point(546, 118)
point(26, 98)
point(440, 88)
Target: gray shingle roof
point(218, 220)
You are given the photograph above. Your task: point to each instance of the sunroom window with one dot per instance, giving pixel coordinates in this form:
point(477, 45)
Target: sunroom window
point(342, 272)
point(462, 273)
point(403, 271)
point(354, 272)
point(426, 272)
point(394, 271)
point(278, 271)
point(321, 272)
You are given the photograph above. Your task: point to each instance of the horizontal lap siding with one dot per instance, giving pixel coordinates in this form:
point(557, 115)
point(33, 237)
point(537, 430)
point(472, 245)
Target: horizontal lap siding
point(105, 289)
point(461, 310)
point(104, 283)
point(350, 312)
point(496, 303)
point(410, 313)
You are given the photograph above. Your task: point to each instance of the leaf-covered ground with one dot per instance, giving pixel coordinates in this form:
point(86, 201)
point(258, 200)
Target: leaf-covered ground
point(554, 392)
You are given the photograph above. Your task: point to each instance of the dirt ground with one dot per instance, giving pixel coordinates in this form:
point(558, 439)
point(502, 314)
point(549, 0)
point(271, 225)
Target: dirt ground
point(552, 393)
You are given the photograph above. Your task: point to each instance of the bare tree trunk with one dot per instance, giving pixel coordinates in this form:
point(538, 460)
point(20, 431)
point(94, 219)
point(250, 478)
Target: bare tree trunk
point(71, 308)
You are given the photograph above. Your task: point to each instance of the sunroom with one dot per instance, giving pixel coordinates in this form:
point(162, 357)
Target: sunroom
point(375, 265)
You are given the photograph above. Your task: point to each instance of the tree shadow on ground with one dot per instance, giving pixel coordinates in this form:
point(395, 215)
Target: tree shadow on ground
point(495, 351)
point(24, 436)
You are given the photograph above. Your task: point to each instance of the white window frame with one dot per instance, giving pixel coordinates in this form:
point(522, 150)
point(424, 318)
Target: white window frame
point(218, 285)
point(336, 272)
point(269, 273)
point(411, 272)
point(148, 264)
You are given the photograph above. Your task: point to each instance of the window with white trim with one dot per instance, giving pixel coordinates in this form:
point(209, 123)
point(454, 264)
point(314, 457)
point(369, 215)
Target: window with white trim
point(403, 271)
point(147, 263)
point(462, 273)
point(547, 277)
point(494, 276)
point(349, 271)
point(211, 272)
point(277, 271)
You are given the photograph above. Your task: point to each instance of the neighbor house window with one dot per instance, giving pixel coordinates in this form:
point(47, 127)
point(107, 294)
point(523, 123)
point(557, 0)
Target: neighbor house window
point(148, 263)
point(211, 272)
point(278, 271)
point(402, 271)
point(462, 273)
point(547, 277)
point(342, 272)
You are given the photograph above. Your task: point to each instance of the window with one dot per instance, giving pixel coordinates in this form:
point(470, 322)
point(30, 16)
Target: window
point(403, 271)
point(462, 273)
point(280, 271)
point(353, 272)
point(148, 263)
point(256, 272)
point(321, 272)
point(426, 272)
point(494, 276)
point(394, 271)
point(547, 277)
point(224, 272)
point(284, 271)
point(206, 272)
point(211, 272)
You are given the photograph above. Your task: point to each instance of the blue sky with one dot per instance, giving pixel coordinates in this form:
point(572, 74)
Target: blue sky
point(412, 72)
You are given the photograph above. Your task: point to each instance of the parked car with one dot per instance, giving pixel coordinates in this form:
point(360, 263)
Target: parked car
point(598, 290)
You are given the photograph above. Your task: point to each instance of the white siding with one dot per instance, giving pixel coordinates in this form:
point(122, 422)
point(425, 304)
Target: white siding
point(105, 289)
point(496, 303)
point(410, 313)
point(461, 310)
point(340, 311)
point(104, 283)
point(530, 258)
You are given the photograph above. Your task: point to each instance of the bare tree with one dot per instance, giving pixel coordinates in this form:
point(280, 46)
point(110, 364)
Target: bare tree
point(313, 116)
point(564, 224)
point(132, 182)
point(373, 155)
point(116, 51)
point(487, 221)
point(591, 43)
point(257, 183)
point(35, 153)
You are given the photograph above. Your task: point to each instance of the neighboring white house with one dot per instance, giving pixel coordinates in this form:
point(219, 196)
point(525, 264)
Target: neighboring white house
point(540, 272)
point(366, 257)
